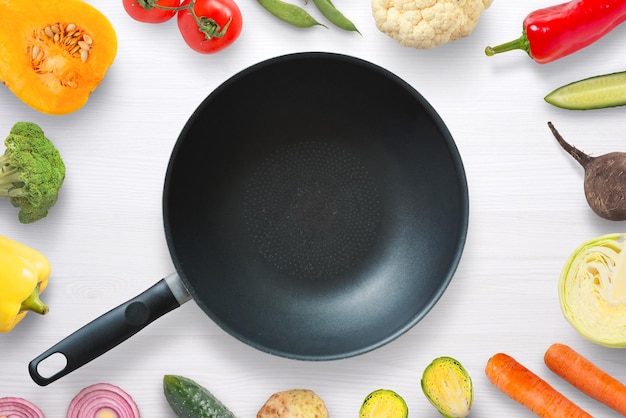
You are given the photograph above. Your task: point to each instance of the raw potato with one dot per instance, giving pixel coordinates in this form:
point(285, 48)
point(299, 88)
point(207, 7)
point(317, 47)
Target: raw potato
point(294, 403)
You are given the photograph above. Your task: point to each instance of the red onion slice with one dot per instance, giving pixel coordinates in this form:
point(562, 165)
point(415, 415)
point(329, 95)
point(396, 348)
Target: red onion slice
point(102, 400)
point(19, 408)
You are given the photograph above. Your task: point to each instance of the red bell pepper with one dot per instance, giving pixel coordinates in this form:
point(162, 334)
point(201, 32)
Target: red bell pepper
point(556, 31)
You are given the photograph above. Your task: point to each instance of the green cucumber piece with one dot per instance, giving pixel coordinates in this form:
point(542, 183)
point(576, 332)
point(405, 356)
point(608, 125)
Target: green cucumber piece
point(188, 399)
point(599, 92)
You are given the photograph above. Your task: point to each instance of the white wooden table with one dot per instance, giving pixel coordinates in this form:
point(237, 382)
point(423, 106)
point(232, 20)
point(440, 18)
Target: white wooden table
point(527, 214)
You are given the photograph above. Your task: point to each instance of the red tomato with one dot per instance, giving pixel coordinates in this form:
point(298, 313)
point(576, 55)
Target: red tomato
point(146, 11)
point(220, 24)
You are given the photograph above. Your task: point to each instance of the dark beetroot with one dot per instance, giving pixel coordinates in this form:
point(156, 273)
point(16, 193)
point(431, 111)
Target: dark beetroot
point(605, 179)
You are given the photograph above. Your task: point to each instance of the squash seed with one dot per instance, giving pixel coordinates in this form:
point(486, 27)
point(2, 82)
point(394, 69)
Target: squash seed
point(70, 37)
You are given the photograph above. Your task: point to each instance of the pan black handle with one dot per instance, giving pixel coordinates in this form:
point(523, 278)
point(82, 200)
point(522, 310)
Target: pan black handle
point(112, 328)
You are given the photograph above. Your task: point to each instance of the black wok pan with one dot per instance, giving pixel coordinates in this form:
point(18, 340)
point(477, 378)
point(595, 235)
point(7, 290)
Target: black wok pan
point(315, 207)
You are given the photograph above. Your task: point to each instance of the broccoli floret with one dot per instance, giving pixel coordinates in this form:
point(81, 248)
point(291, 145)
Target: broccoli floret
point(31, 171)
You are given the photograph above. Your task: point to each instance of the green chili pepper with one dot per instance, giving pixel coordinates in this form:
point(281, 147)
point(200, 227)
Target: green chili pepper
point(328, 9)
point(290, 13)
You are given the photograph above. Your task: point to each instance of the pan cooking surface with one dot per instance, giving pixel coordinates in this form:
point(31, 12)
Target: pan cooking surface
point(315, 206)
point(312, 209)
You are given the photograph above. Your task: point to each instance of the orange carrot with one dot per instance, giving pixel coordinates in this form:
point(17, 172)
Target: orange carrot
point(586, 377)
point(525, 387)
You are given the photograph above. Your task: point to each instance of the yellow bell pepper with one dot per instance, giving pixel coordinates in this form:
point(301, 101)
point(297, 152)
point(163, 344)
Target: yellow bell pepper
point(23, 276)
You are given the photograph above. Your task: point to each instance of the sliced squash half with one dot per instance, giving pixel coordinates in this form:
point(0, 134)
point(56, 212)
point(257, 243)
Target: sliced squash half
point(54, 53)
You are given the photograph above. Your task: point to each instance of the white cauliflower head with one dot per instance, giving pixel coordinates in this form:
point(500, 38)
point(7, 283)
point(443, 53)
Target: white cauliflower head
point(426, 24)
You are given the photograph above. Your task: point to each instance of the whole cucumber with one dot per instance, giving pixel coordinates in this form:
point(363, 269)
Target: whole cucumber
point(188, 399)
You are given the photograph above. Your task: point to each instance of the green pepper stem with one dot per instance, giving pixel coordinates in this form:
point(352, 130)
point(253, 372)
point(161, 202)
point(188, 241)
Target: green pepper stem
point(519, 43)
point(33, 303)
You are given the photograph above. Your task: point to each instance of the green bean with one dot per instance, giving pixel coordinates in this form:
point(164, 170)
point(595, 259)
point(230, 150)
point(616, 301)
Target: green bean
point(290, 13)
point(328, 9)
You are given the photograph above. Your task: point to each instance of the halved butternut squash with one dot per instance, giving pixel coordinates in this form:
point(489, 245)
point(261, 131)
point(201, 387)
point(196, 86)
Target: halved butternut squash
point(54, 53)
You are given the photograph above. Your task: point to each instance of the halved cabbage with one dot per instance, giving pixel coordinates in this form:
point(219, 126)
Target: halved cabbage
point(592, 290)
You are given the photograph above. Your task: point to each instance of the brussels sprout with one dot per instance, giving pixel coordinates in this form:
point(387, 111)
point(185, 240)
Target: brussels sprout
point(448, 386)
point(592, 290)
point(384, 403)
